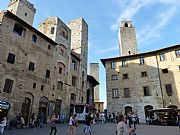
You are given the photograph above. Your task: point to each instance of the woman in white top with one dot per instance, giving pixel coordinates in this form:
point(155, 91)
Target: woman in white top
point(121, 127)
point(2, 125)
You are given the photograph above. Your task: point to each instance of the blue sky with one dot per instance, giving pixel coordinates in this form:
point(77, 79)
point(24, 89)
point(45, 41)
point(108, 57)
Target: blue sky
point(156, 21)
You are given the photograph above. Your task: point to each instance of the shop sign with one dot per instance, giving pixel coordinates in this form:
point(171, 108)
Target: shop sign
point(4, 105)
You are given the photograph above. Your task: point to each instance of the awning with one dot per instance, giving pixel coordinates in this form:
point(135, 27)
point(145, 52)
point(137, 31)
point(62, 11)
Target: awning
point(4, 105)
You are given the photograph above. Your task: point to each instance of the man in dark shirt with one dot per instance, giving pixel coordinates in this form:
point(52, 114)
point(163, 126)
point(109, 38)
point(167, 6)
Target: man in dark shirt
point(87, 124)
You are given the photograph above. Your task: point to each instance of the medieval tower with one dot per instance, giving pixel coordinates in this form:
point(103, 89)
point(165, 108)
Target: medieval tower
point(94, 71)
point(127, 39)
point(79, 44)
point(23, 9)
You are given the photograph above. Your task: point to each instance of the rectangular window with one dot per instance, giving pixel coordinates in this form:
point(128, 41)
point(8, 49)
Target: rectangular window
point(115, 93)
point(124, 63)
point(127, 93)
point(113, 65)
point(169, 89)
point(11, 58)
point(60, 85)
point(125, 76)
point(162, 57)
point(31, 66)
point(177, 53)
point(47, 73)
point(60, 70)
point(52, 30)
point(73, 81)
point(74, 65)
point(165, 70)
point(142, 61)
point(19, 30)
point(114, 77)
point(143, 74)
point(34, 85)
point(42, 87)
point(146, 91)
point(8, 86)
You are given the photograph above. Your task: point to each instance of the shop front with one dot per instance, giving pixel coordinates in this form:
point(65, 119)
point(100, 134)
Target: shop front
point(4, 108)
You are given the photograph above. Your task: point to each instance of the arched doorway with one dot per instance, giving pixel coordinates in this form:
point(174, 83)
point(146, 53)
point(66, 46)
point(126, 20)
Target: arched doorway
point(43, 106)
point(57, 108)
point(173, 106)
point(146, 110)
point(26, 107)
point(128, 109)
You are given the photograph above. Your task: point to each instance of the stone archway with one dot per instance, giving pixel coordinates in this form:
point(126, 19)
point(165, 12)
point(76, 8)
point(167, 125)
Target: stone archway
point(128, 109)
point(26, 107)
point(43, 106)
point(146, 110)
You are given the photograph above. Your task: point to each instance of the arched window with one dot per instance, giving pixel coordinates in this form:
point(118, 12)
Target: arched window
point(126, 25)
point(34, 38)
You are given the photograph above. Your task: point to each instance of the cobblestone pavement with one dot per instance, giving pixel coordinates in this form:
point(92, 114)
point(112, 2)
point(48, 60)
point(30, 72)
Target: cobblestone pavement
point(98, 129)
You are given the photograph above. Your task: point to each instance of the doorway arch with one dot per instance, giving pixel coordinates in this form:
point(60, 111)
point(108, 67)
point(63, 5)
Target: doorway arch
point(128, 109)
point(26, 107)
point(146, 110)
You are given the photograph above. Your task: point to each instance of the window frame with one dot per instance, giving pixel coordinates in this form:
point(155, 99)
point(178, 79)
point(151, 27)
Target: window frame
point(141, 61)
point(11, 58)
point(162, 57)
point(146, 91)
point(115, 93)
point(48, 73)
point(113, 65)
point(60, 85)
point(31, 66)
point(124, 63)
point(169, 89)
point(125, 76)
point(177, 52)
point(8, 85)
point(114, 77)
point(127, 94)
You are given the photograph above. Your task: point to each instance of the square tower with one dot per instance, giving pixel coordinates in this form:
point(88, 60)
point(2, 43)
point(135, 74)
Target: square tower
point(94, 71)
point(127, 39)
point(23, 9)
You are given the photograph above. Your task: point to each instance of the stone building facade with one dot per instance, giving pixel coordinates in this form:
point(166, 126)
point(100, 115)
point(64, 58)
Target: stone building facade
point(41, 70)
point(143, 81)
point(27, 67)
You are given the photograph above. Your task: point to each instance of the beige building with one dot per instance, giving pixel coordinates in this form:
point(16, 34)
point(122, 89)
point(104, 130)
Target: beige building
point(143, 81)
point(99, 106)
point(41, 70)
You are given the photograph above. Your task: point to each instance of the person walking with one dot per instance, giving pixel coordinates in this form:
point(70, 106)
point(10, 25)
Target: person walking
point(87, 128)
point(178, 120)
point(73, 124)
point(121, 127)
point(130, 122)
point(2, 125)
point(53, 120)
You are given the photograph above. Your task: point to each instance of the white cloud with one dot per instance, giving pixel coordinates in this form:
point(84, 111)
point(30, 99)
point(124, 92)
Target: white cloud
point(115, 48)
point(132, 8)
point(129, 12)
point(149, 32)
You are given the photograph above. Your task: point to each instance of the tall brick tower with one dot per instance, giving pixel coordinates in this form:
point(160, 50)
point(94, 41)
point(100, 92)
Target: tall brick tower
point(127, 39)
point(94, 71)
point(23, 9)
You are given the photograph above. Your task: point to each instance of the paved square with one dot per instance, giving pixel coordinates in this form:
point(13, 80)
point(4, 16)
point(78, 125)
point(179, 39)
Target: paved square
point(98, 129)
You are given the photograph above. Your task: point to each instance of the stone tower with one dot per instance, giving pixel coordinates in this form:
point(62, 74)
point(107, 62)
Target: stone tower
point(23, 9)
point(127, 39)
point(79, 44)
point(94, 71)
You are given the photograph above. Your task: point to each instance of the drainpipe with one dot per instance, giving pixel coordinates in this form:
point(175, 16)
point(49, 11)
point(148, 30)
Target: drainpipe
point(160, 83)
